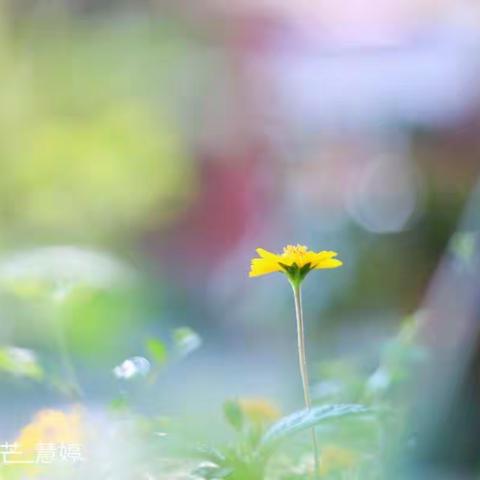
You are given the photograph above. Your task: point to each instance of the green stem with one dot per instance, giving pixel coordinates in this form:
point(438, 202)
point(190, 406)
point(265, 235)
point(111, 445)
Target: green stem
point(74, 390)
point(297, 294)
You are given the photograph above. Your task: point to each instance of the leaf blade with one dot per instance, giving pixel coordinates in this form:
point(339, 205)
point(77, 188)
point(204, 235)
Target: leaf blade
point(303, 419)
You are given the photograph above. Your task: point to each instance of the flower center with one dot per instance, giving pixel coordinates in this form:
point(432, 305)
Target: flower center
point(295, 250)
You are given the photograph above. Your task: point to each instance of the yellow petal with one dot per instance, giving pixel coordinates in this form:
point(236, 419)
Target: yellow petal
point(269, 262)
point(328, 263)
point(326, 254)
point(266, 254)
point(262, 266)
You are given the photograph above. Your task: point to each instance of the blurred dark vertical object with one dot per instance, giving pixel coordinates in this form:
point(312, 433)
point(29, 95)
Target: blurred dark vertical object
point(446, 403)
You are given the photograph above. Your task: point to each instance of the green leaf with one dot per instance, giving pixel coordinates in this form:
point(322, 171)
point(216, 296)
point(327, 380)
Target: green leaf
point(157, 350)
point(212, 454)
point(303, 419)
point(20, 362)
point(119, 404)
point(186, 340)
point(233, 413)
point(210, 471)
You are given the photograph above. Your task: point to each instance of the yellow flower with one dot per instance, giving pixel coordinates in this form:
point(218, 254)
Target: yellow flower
point(333, 459)
point(295, 261)
point(52, 427)
point(259, 410)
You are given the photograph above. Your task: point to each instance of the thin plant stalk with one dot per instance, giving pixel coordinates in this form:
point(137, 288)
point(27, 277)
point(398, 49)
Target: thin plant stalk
point(74, 390)
point(297, 294)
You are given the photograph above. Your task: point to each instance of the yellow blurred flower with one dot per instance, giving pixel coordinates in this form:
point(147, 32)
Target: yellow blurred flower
point(334, 459)
point(52, 427)
point(259, 410)
point(296, 261)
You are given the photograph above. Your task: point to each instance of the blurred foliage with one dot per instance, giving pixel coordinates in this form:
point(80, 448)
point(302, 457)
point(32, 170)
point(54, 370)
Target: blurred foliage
point(20, 362)
point(89, 149)
point(357, 441)
point(157, 350)
point(185, 341)
point(256, 441)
